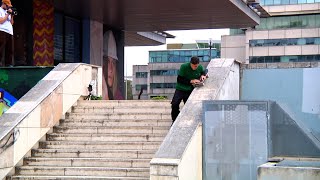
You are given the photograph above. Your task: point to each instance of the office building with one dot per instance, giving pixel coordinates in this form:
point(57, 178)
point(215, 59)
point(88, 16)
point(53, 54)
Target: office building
point(290, 34)
point(159, 77)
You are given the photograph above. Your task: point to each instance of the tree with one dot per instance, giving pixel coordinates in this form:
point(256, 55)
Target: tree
point(129, 89)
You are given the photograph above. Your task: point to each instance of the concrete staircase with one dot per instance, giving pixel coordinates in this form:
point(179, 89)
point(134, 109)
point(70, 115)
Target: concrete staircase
point(100, 140)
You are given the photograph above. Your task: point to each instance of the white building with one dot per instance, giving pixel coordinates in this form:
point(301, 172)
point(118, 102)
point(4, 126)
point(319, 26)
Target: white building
point(159, 77)
point(290, 34)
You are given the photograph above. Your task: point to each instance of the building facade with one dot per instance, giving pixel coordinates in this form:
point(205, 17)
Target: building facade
point(159, 77)
point(290, 34)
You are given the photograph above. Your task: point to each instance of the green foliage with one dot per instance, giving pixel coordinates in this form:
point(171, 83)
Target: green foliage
point(96, 97)
point(129, 89)
point(159, 98)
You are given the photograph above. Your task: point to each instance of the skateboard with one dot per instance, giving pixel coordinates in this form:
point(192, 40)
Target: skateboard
point(201, 83)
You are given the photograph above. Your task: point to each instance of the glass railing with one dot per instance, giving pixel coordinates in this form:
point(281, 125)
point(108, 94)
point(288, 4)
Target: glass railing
point(239, 136)
point(296, 88)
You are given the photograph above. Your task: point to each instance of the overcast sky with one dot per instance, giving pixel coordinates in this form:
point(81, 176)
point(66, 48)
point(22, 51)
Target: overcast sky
point(140, 55)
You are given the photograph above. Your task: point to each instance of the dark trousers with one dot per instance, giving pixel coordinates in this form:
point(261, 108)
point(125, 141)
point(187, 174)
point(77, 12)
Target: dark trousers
point(6, 46)
point(176, 100)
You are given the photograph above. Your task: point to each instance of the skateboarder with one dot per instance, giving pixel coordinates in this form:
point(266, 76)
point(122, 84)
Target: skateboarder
point(190, 73)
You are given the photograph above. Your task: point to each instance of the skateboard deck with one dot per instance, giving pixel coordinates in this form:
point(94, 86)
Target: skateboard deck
point(198, 84)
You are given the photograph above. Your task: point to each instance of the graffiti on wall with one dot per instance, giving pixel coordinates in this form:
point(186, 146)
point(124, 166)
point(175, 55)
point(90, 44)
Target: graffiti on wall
point(112, 65)
point(43, 34)
point(6, 101)
point(17, 81)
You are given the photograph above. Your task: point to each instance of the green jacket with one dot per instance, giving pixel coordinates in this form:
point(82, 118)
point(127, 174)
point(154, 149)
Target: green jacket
point(186, 74)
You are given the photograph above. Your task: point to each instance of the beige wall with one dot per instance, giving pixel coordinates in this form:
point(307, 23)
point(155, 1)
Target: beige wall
point(233, 47)
point(190, 166)
point(293, 9)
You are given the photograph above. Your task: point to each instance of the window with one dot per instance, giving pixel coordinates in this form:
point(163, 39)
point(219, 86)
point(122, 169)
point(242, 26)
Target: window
point(162, 85)
point(67, 36)
point(58, 37)
point(141, 86)
point(283, 42)
point(72, 40)
point(141, 74)
point(274, 59)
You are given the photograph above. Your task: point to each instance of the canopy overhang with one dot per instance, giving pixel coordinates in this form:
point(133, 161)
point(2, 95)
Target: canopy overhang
point(163, 15)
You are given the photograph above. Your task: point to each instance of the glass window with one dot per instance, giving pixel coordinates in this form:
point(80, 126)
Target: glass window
point(260, 59)
point(285, 2)
point(293, 1)
point(263, 24)
point(72, 40)
point(301, 41)
point(316, 40)
point(276, 58)
point(268, 59)
point(58, 37)
point(268, 2)
point(310, 1)
point(309, 41)
point(312, 21)
point(310, 57)
point(260, 42)
point(284, 58)
point(302, 1)
point(277, 2)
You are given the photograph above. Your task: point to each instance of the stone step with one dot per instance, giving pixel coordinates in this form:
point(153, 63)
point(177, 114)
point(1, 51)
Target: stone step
point(83, 171)
point(106, 137)
point(132, 109)
point(120, 116)
point(100, 145)
point(92, 153)
point(75, 177)
point(110, 129)
point(101, 122)
point(87, 162)
point(120, 103)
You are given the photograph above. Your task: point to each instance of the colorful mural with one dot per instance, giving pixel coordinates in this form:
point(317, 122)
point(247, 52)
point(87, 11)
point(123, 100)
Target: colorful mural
point(19, 80)
point(112, 65)
point(43, 34)
point(6, 101)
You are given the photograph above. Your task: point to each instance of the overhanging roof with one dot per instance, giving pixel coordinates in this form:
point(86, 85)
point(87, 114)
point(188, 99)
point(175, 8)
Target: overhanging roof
point(162, 15)
point(146, 38)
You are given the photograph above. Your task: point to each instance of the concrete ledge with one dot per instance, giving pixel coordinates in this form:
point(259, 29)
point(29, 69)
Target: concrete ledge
point(180, 154)
point(277, 172)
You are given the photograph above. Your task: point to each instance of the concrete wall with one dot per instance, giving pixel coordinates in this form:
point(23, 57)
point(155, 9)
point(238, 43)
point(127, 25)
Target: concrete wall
point(180, 154)
point(271, 171)
point(234, 47)
point(293, 9)
point(27, 121)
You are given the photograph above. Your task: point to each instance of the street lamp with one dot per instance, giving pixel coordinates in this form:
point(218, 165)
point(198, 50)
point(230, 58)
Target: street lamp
point(210, 46)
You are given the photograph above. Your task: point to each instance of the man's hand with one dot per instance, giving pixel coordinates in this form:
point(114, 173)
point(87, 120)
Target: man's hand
point(203, 77)
point(194, 81)
point(9, 11)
